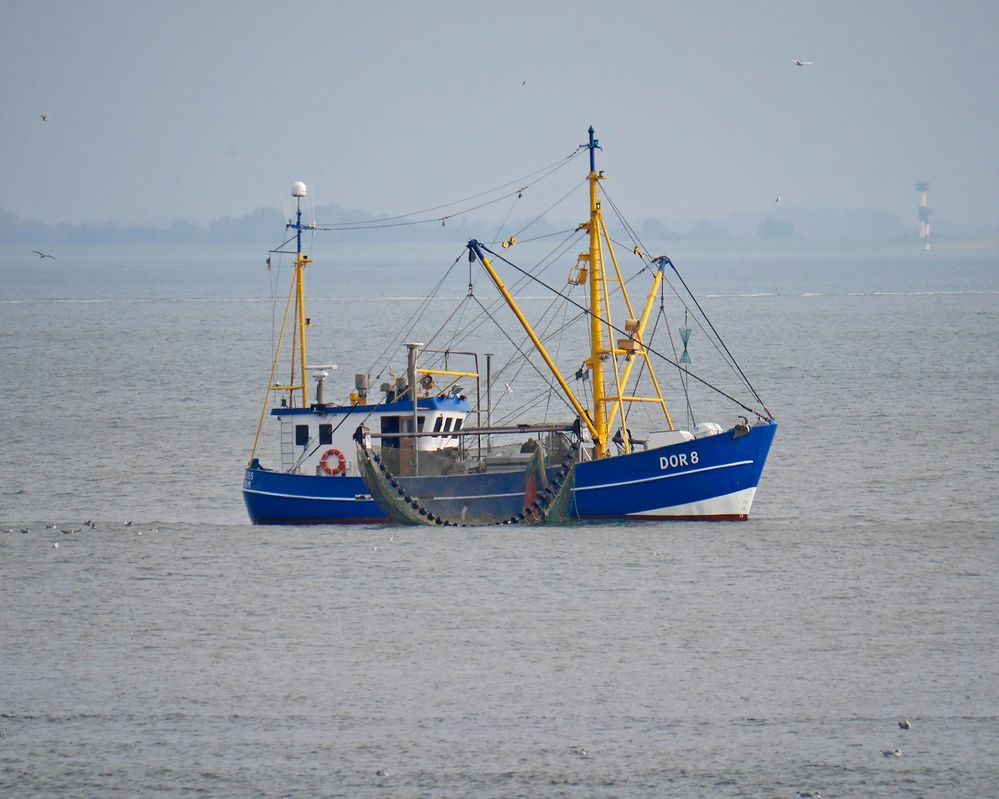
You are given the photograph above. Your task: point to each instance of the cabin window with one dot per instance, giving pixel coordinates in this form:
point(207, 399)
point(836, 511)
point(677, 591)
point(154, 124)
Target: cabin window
point(390, 425)
point(419, 423)
point(301, 435)
point(447, 424)
point(325, 434)
point(438, 423)
point(457, 424)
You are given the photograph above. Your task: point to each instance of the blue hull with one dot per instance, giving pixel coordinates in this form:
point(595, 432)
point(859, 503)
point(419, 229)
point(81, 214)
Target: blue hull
point(713, 478)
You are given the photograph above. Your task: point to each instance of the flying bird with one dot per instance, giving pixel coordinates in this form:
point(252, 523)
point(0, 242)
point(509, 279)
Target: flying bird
point(798, 63)
point(41, 254)
point(45, 117)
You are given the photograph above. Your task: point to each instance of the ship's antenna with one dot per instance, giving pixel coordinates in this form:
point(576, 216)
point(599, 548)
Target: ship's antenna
point(593, 145)
point(298, 191)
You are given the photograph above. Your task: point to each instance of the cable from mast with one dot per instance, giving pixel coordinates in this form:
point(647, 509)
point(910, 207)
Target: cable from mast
point(665, 260)
point(768, 417)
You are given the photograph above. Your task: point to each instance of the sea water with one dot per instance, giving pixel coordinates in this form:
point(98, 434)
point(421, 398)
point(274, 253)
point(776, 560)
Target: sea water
point(173, 649)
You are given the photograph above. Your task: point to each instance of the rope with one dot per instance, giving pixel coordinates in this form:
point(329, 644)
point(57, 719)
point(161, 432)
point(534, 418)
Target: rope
point(720, 341)
point(717, 341)
point(625, 333)
point(390, 221)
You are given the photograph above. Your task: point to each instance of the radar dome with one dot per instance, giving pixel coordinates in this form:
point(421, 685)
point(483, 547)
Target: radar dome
point(298, 189)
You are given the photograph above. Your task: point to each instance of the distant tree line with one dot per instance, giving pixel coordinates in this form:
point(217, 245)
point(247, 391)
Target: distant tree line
point(263, 225)
point(260, 226)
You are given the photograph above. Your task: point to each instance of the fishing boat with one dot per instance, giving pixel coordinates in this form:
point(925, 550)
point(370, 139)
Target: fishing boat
point(427, 451)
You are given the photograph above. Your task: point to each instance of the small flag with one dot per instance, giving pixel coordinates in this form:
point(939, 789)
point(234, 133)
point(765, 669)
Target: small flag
point(268, 263)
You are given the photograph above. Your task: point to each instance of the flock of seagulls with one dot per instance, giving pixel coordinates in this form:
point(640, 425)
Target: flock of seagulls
point(903, 724)
point(89, 523)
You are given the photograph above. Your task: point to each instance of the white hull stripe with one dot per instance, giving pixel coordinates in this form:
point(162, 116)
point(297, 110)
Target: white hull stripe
point(737, 503)
point(663, 476)
point(516, 494)
point(367, 498)
point(303, 496)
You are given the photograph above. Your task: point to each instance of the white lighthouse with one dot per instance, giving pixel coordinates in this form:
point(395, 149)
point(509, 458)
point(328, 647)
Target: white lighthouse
point(924, 214)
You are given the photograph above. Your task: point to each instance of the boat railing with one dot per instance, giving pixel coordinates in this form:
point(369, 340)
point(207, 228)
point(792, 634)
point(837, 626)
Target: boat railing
point(559, 442)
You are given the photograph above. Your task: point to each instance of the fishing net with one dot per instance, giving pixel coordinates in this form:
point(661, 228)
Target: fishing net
point(536, 493)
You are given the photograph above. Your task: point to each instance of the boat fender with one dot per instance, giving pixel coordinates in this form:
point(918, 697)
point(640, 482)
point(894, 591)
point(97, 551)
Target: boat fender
point(341, 462)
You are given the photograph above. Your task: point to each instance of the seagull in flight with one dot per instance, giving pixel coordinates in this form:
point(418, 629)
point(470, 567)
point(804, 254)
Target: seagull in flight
point(41, 254)
point(798, 63)
point(45, 117)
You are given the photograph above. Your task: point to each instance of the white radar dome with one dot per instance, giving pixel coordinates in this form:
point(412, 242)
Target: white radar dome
point(298, 189)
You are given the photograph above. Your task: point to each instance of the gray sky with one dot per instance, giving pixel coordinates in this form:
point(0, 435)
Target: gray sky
point(197, 110)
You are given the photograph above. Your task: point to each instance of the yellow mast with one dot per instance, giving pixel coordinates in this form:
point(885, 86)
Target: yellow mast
point(300, 383)
point(597, 349)
point(300, 322)
point(300, 265)
point(512, 303)
point(603, 351)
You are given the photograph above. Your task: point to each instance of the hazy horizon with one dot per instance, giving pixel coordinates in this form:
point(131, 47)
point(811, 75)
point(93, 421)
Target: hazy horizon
point(198, 111)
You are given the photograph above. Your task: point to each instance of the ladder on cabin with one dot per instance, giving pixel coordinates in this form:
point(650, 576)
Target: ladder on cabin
point(287, 447)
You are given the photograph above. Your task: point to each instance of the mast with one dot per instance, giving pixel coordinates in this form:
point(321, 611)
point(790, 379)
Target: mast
point(300, 323)
point(590, 269)
point(596, 287)
point(298, 191)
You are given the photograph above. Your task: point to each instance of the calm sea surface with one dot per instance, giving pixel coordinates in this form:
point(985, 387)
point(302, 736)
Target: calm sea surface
point(188, 653)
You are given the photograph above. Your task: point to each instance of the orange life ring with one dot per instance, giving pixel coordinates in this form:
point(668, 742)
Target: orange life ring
point(341, 462)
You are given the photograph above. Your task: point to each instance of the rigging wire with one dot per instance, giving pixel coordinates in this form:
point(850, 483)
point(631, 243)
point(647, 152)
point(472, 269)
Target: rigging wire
point(411, 322)
point(391, 221)
point(720, 340)
point(555, 204)
point(558, 350)
point(417, 314)
point(716, 340)
point(526, 360)
point(507, 217)
point(538, 237)
point(539, 268)
point(625, 333)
